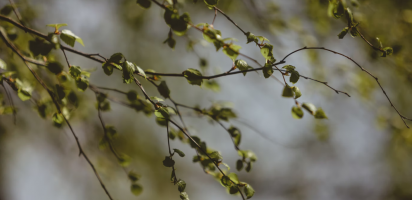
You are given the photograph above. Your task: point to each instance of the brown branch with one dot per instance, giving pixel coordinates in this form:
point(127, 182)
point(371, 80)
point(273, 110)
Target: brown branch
point(363, 69)
point(81, 152)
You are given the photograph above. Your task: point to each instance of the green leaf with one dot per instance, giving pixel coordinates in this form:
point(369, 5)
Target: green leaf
point(247, 154)
point(349, 15)
point(124, 160)
point(388, 51)
point(54, 67)
point(232, 51)
point(6, 10)
point(297, 112)
point(289, 68)
point(156, 99)
point(250, 37)
point(249, 191)
point(181, 185)
point(242, 65)
point(133, 176)
point(128, 70)
point(40, 47)
point(294, 77)
point(233, 189)
point(181, 154)
point(140, 70)
point(24, 94)
point(343, 32)
point(168, 162)
point(3, 64)
point(164, 90)
point(136, 189)
point(354, 32)
point(82, 84)
point(239, 165)
point(111, 132)
point(267, 70)
point(60, 92)
point(108, 70)
point(75, 71)
point(162, 112)
point(58, 119)
point(235, 133)
point(215, 155)
point(309, 107)
point(116, 58)
point(320, 114)
point(211, 3)
point(57, 26)
point(203, 63)
point(234, 178)
point(287, 91)
point(144, 3)
point(212, 85)
point(69, 38)
point(262, 39)
point(193, 76)
point(248, 167)
point(132, 95)
point(104, 106)
point(266, 51)
point(297, 92)
point(225, 180)
point(171, 42)
point(184, 196)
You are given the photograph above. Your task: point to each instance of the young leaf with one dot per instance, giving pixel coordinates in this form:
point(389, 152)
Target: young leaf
point(82, 83)
point(181, 154)
point(132, 95)
point(225, 180)
point(54, 67)
point(289, 68)
point(249, 191)
point(133, 176)
point(162, 112)
point(320, 114)
point(267, 70)
point(128, 70)
point(3, 64)
point(297, 92)
point(164, 90)
point(70, 38)
point(309, 107)
point(6, 10)
point(181, 185)
point(144, 3)
point(211, 3)
point(239, 165)
point(193, 76)
point(297, 112)
point(184, 196)
point(24, 94)
point(287, 91)
point(248, 167)
point(343, 32)
point(57, 26)
point(250, 37)
point(75, 71)
point(136, 189)
point(232, 51)
point(124, 160)
point(294, 77)
point(168, 162)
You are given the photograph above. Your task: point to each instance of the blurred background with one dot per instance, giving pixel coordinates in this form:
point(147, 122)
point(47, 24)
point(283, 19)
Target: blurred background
point(363, 151)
